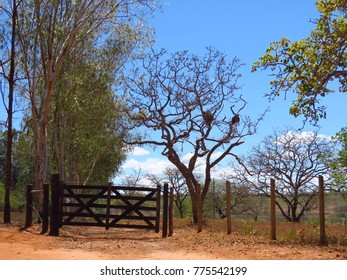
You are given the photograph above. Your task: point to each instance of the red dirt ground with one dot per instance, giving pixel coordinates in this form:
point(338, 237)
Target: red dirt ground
point(121, 244)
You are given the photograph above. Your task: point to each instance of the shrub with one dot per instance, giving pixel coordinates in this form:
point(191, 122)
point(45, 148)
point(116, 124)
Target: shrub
point(16, 203)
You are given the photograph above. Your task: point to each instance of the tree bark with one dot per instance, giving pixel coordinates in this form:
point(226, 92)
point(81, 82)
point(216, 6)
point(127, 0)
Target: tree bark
point(11, 82)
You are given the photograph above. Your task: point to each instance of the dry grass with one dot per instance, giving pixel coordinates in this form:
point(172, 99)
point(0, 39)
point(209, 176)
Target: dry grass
point(303, 233)
point(297, 233)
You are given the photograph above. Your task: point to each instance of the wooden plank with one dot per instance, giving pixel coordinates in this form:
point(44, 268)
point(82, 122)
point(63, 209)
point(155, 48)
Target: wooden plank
point(108, 206)
point(29, 207)
point(143, 208)
point(120, 207)
point(128, 197)
point(157, 221)
point(104, 196)
point(171, 207)
point(45, 209)
point(273, 209)
point(93, 224)
point(118, 188)
point(84, 187)
point(165, 209)
point(55, 206)
point(322, 234)
point(87, 215)
point(228, 205)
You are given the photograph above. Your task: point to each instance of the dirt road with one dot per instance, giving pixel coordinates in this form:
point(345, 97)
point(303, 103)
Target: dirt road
point(121, 244)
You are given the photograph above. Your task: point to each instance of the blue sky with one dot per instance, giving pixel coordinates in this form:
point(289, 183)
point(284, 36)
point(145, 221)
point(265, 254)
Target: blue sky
point(243, 29)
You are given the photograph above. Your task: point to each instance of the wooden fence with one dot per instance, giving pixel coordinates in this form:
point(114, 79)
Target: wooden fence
point(101, 206)
point(323, 239)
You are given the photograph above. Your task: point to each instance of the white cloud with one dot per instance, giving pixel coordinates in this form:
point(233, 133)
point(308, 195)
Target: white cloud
point(302, 137)
point(150, 165)
point(139, 151)
point(157, 165)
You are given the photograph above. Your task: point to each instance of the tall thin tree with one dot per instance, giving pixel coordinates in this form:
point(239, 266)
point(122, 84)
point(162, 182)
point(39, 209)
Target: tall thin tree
point(11, 80)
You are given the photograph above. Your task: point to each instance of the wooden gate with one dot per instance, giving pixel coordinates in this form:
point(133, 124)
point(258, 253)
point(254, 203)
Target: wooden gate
point(106, 206)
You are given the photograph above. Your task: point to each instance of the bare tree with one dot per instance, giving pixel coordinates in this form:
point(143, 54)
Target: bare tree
point(133, 179)
point(8, 71)
point(174, 178)
point(239, 195)
point(294, 160)
point(178, 182)
point(189, 104)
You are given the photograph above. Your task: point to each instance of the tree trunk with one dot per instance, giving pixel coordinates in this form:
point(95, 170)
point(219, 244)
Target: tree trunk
point(179, 205)
point(11, 81)
point(193, 198)
point(7, 205)
point(194, 208)
point(59, 144)
point(41, 160)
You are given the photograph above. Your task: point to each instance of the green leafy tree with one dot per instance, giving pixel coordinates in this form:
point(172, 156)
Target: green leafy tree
point(51, 32)
point(338, 163)
point(308, 66)
point(85, 130)
point(24, 160)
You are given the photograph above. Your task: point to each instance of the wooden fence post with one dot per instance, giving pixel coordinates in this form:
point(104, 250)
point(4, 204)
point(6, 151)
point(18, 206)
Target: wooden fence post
point(45, 208)
point(199, 207)
point(171, 207)
point(165, 209)
point(55, 220)
point(273, 209)
point(29, 207)
point(157, 215)
point(323, 240)
point(108, 206)
point(228, 205)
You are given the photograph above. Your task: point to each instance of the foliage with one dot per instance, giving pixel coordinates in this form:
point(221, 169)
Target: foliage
point(24, 159)
point(3, 156)
point(308, 66)
point(85, 131)
point(53, 35)
point(86, 42)
point(338, 163)
point(294, 160)
point(15, 202)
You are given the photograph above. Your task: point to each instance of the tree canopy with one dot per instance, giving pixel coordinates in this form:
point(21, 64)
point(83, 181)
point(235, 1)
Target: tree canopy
point(65, 59)
point(308, 67)
point(189, 102)
point(294, 160)
point(337, 161)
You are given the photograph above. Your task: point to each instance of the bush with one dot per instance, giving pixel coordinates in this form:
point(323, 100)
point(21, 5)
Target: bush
point(15, 203)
